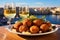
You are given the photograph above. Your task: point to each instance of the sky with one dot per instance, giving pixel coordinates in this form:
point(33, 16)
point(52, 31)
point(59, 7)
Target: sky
point(33, 3)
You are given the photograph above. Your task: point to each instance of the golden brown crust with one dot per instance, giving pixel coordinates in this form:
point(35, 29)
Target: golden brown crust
point(16, 25)
point(34, 26)
point(23, 28)
point(27, 22)
point(34, 29)
point(44, 27)
point(38, 22)
point(49, 24)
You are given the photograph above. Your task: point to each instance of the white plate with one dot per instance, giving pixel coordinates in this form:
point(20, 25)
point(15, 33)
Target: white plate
point(54, 30)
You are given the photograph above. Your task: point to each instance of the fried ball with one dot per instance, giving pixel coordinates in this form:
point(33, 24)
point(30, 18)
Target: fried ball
point(44, 27)
point(16, 25)
point(49, 24)
point(17, 29)
point(27, 22)
point(38, 22)
point(34, 29)
point(23, 28)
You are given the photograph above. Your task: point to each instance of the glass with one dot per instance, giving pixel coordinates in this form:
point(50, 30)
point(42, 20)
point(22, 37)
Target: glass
point(24, 11)
point(9, 11)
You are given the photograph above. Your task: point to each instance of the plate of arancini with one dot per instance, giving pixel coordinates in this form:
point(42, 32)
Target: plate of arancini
point(37, 34)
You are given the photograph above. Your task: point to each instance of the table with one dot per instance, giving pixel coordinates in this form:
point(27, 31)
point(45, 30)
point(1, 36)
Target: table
point(12, 36)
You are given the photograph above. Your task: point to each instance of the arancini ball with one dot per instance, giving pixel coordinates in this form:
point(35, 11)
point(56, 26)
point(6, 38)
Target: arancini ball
point(27, 22)
point(16, 25)
point(23, 28)
point(38, 22)
point(44, 27)
point(49, 24)
point(34, 29)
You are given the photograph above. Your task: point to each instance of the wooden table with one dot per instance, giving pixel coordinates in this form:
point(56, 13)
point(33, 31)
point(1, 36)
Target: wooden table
point(12, 36)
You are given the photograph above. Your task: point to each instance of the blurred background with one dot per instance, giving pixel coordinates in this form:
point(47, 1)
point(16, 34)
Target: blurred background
point(13, 10)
